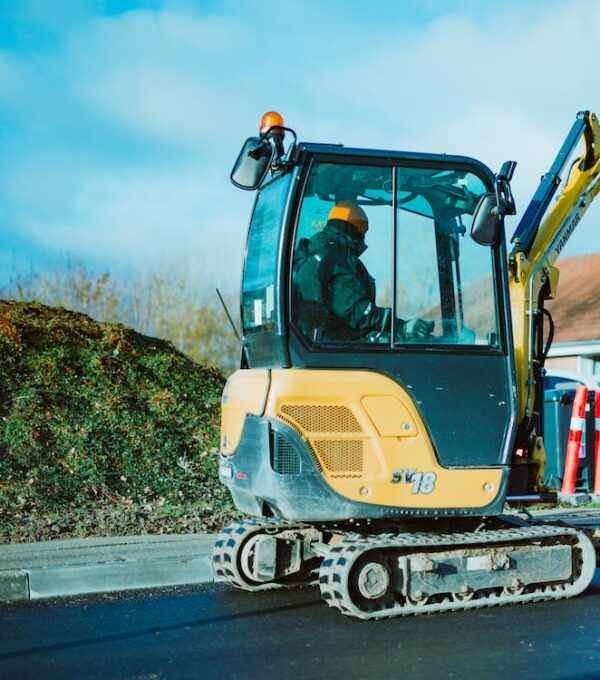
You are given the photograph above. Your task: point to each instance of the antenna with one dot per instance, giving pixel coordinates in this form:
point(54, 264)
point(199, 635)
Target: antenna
point(237, 335)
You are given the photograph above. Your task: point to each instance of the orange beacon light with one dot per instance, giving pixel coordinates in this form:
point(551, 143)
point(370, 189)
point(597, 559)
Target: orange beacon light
point(272, 119)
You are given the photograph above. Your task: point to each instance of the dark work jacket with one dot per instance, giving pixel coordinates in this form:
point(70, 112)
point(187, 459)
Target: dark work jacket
point(334, 295)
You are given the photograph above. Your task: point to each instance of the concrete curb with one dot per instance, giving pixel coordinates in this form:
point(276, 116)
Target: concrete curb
point(574, 499)
point(79, 566)
point(14, 585)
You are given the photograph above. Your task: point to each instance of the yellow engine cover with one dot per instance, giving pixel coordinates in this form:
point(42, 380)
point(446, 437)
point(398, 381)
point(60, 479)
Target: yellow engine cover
point(366, 436)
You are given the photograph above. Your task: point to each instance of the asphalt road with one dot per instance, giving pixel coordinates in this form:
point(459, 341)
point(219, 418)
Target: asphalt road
point(214, 631)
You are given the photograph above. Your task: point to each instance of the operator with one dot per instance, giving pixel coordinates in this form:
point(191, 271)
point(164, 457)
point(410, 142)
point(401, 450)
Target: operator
point(334, 295)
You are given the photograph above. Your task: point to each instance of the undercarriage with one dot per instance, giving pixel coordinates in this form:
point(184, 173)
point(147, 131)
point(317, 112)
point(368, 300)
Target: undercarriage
point(400, 572)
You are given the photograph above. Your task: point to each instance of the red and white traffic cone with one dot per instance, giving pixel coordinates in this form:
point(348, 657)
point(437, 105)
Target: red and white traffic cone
point(575, 430)
point(597, 445)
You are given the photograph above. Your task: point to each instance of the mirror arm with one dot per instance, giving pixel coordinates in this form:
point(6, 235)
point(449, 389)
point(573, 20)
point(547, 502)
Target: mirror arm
point(269, 131)
point(504, 197)
point(493, 207)
point(276, 140)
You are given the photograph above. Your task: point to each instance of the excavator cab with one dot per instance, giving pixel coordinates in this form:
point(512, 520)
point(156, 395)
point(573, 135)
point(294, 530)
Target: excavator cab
point(332, 422)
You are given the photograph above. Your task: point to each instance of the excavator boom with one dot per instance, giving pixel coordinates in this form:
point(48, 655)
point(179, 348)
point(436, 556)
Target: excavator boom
point(537, 243)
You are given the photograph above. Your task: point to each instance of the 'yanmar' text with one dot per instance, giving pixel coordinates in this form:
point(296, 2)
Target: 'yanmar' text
point(567, 235)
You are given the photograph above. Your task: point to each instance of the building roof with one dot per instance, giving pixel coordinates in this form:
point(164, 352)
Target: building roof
point(576, 309)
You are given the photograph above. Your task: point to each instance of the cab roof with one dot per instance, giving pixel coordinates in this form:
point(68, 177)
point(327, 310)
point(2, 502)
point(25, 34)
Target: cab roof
point(314, 148)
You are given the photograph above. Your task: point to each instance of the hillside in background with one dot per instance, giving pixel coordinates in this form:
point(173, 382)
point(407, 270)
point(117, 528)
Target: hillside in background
point(102, 430)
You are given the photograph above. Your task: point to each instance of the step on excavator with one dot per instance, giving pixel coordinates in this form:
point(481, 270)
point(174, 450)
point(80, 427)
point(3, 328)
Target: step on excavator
point(388, 409)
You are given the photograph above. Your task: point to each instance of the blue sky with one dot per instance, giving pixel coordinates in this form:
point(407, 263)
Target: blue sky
point(119, 121)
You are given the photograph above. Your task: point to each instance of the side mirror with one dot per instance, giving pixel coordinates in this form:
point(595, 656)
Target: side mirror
point(253, 163)
point(486, 221)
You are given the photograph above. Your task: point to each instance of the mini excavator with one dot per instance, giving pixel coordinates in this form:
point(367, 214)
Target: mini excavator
point(382, 465)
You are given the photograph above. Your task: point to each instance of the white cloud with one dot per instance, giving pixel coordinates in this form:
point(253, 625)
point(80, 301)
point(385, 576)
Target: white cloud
point(149, 219)
point(157, 101)
point(503, 86)
point(131, 125)
point(161, 74)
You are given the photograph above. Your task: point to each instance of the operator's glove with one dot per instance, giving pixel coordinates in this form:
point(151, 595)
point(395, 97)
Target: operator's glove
point(418, 329)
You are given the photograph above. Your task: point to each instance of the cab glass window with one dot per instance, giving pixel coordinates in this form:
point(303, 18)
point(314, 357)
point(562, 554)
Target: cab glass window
point(260, 266)
point(442, 275)
point(383, 267)
point(342, 260)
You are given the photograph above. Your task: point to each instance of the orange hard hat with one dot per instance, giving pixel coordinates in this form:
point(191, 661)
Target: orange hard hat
point(350, 212)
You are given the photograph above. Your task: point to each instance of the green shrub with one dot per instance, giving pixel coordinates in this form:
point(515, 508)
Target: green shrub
point(92, 411)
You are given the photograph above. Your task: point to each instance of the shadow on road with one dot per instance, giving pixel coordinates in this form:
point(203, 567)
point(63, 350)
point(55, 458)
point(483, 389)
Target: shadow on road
point(184, 625)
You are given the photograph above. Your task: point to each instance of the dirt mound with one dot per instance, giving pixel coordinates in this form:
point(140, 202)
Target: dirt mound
point(97, 416)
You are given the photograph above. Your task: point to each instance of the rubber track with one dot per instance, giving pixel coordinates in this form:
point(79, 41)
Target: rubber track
point(228, 546)
point(337, 565)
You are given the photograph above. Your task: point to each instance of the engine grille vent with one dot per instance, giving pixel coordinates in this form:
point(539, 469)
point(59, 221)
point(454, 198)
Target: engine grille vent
point(329, 418)
point(285, 459)
point(341, 457)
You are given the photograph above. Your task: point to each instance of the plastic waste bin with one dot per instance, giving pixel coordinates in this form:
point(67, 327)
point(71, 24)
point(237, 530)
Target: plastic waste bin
point(558, 408)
